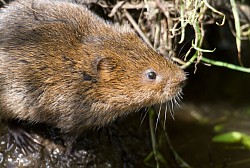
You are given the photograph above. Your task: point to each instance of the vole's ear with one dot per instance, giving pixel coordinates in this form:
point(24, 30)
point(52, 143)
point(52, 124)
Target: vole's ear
point(108, 64)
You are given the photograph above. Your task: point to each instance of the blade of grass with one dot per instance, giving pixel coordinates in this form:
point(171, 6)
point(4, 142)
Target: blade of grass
point(237, 29)
point(157, 155)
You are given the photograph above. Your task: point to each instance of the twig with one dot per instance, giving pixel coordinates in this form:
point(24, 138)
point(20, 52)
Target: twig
point(237, 29)
point(3, 2)
point(115, 8)
point(175, 59)
point(137, 28)
point(227, 65)
point(216, 11)
point(128, 5)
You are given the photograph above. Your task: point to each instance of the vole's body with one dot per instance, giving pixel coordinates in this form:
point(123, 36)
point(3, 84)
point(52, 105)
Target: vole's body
point(63, 66)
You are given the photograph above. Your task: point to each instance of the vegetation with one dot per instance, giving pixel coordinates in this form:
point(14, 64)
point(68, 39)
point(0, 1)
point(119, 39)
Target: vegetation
point(164, 25)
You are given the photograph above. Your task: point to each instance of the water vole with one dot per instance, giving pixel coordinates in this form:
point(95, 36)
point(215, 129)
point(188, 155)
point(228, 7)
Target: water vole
point(64, 66)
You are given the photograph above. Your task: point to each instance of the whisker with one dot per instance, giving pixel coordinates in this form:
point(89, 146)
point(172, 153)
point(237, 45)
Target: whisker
point(165, 116)
point(176, 102)
point(182, 48)
point(186, 73)
point(144, 116)
point(180, 95)
point(160, 108)
point(158, 117)
point(171, 111)
point(138, 109)
point(178, 98)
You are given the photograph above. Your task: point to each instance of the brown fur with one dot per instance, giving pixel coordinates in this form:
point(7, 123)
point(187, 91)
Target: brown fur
point(62, 65)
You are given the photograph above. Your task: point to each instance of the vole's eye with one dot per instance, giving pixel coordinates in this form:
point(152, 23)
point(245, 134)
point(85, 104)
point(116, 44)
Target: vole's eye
point(151, 75)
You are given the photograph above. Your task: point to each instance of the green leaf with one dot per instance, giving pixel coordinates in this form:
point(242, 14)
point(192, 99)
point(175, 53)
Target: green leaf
point(219, 128)
point(229, 137)
point(246, 141)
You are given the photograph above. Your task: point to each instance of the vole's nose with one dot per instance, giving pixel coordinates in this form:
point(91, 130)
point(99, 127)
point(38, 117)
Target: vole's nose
point(182, 79)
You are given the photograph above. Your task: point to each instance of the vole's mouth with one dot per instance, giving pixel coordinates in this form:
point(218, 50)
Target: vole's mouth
point(182, 83)
point(173, 90)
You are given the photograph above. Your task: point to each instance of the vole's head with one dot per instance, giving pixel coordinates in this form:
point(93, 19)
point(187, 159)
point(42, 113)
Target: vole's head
point(131, 75)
